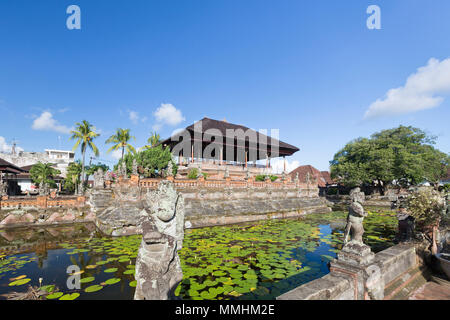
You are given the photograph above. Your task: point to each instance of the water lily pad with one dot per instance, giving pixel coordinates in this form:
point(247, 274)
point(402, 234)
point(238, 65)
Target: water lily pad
point(86, 280)
point(110, 270)
point(71, 296)
point(20, 282)
point(129, 271)
point(112, 281)
point(48, 288)
point(93, 288)
point(133, 283)
point(54, 295)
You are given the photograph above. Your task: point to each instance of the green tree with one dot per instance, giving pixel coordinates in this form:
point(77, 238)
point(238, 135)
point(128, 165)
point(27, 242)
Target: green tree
point(73, 176)
point(91, 169)
point(404, 155)
point(150, 162)
point(121, 140)
point(43, 173)
point(84, 134)
point(153, 140)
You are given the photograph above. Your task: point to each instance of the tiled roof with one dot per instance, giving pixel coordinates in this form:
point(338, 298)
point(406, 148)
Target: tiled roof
point(313, 172)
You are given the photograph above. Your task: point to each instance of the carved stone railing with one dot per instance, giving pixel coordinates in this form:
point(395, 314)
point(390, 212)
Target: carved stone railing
point(210, 183)
point(41, 202)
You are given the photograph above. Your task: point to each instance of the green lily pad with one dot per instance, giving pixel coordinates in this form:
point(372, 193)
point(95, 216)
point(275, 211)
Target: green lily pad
point(133, 283)
point(72, 296)
point(110, 270)
point(112, 281)
point(93, 288)
point(54, 295)
point(20, 282)
point(86, 280)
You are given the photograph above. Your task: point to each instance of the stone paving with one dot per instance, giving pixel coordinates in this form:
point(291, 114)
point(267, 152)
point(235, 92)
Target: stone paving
point(437, 289)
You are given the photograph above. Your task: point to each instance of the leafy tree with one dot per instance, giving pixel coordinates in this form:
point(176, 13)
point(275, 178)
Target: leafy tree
point(404, 155)
point(121, 140)
point(90, 170)
point(150, 161)
point(84, 134)
point(153, 140)
point(44, 173)
point(73, 176)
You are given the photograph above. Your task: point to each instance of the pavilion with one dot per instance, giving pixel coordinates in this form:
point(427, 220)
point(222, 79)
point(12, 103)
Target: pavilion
point(213, 143)
point(8, 178)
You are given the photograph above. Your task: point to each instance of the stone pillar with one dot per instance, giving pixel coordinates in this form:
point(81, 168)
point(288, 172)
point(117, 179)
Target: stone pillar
point(41, 201)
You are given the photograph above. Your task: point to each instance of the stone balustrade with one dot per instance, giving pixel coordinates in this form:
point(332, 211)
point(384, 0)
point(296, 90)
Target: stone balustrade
point(42, 202)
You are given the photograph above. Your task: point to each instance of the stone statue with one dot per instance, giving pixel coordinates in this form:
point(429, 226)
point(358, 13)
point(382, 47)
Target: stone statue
point(247, 174)
point(135, 167)
point(227, 173)
point(3, 188)
point(99, 179)
point(296, 180)
point(123, 170)
point(356, 214)
point(308, 178)
point(283, 176)
point(170, 169)
point(158, 268)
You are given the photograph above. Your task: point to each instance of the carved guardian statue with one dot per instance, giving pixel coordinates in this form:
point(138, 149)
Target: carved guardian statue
point(356, 215)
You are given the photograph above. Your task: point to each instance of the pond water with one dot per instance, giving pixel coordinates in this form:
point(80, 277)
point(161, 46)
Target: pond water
point(249, 261)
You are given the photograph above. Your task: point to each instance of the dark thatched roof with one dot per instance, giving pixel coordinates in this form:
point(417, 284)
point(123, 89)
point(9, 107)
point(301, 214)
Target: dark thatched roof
point(8, 167)
point(285, 149)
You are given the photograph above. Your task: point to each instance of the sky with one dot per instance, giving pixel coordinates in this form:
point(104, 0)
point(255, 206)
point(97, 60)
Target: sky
point(312, 69)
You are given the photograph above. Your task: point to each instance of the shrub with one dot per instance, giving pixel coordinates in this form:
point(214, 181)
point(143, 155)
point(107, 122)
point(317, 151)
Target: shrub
point(426, 206)
point(262, 177)
point(193, 173)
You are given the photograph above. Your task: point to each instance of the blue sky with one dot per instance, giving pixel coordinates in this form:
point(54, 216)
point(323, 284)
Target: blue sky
point(311, 69)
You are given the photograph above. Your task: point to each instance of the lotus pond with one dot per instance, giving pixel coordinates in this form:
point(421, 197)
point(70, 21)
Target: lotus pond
point(248, 261)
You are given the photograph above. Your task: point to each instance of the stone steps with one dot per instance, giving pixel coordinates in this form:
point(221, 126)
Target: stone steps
point(404, 285)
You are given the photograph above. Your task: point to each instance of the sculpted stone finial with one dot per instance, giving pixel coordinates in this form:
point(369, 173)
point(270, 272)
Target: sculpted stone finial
point(99, 179)
point(158, 268)
point(227, 173)
point(356, 215)
point(135, 167)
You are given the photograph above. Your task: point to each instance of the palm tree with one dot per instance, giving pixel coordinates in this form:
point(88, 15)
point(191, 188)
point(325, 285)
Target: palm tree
point(43, 173)
point(120, 140)
point(84, 133)
point(153, 140)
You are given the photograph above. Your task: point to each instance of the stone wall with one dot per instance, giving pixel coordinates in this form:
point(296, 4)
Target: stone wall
point(392, 262)
point(118, 210)
point(41, 202)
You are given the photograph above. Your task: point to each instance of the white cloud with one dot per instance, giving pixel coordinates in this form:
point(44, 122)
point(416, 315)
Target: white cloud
point(5, 147)
point(46, 122)
point(278, 165)
point(167, 114)
point(135, 118)
point(419, 93)
point(117, 154)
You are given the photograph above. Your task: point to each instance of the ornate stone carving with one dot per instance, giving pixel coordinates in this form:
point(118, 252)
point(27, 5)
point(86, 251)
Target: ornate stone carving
point(3, 186)
point(356, 215)
point(135, 167)
point(170, 169)
point(123, 170)
point(296, 180)
point(99, 179)
point(227, 173)
point(158, 268)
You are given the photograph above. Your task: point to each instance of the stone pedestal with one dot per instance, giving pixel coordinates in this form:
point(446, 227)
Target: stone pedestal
point(357, 261)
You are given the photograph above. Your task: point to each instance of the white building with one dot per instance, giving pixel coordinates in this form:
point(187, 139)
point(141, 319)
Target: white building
point(60, 158)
